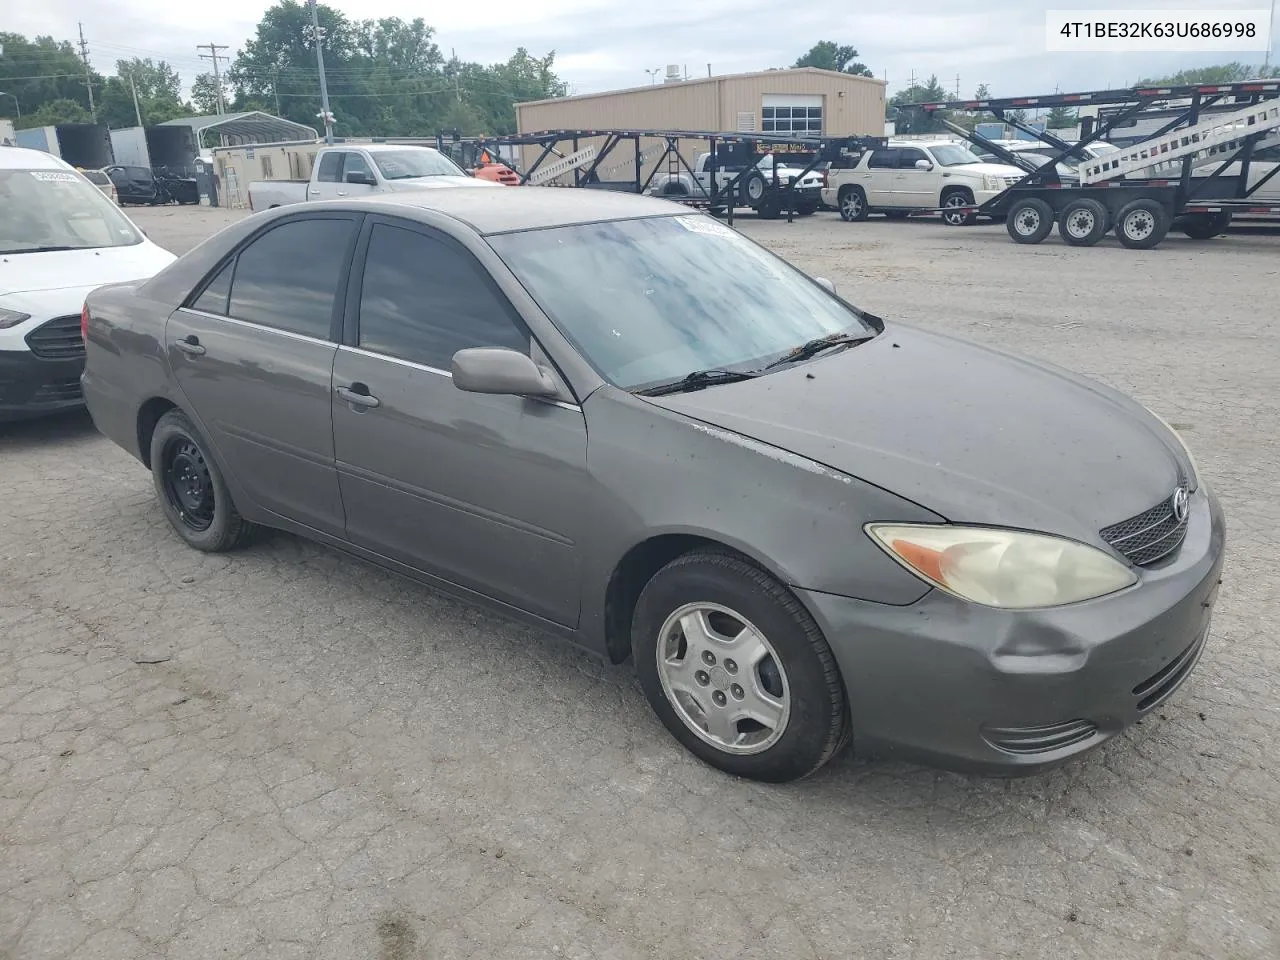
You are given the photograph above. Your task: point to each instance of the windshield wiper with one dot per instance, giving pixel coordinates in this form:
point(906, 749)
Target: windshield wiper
point(697, 380)
point(48, 249)
point(816, 346)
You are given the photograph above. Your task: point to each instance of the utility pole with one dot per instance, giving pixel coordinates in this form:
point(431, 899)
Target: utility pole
point(957, 86)
point(325, 114)
point(275, 87)
point(137, 111)
point(215, 56)
point(88, 75)
point(1271, 39)
point(457, 78)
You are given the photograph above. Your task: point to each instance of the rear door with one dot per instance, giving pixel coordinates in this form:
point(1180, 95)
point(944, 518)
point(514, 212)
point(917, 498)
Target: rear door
point(483, 491)
point(142, 183)
point(253, 353)
point(878, 182)
point(327, 184)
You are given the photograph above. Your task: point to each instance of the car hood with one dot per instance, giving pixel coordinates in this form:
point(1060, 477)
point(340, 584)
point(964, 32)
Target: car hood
point(968, 432)
point(29, 273)
point(432, 183)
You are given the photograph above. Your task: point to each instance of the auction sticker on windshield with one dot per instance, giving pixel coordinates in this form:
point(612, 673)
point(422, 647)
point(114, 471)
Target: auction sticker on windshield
point(54, 176)
point(700, 224)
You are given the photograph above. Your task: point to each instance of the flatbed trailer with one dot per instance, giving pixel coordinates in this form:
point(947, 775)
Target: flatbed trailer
point(1112, 192)
point(740, 153)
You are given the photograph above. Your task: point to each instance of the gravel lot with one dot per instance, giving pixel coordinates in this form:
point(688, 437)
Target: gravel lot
point(286, 753)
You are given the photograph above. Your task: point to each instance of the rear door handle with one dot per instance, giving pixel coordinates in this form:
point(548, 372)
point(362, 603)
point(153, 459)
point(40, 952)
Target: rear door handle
point(357, 395)
point(191, 346)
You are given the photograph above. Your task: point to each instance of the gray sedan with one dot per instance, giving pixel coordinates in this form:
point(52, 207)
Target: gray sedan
point(629, 425)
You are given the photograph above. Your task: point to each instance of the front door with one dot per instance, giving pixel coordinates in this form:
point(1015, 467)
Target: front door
point(882, 167)
point(913, 187)
point(356, 167)
point(484, 491)
point(253, 353)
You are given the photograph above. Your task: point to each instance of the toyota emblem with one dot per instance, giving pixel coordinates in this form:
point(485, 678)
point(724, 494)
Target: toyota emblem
point(1180, 505)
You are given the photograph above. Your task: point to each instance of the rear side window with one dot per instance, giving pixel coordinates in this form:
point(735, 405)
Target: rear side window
point(215, 296)
point(884, 160)
point(287, 279)
point(330, 167)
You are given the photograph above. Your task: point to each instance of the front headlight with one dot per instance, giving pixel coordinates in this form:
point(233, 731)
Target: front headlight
point(1003, 568)
point(11, 318)
point(1194, 479)
point(991, 183)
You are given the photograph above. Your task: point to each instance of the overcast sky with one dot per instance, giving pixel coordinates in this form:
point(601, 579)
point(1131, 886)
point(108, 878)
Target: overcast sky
point(604, 44)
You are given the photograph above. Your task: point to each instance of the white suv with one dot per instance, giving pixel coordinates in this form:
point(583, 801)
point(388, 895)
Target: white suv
point(917, 175)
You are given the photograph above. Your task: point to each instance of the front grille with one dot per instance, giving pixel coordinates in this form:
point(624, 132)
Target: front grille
point(59, 339)
point(56, 391)
point(1041, 739)
point(1148, 537)
point(1158, 687)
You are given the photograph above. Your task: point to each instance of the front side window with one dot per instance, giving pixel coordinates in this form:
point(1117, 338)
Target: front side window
point(424, 299)
point(357, 164)
point(287, 279)
point(47, 210)
point(908, 156)
point(650, 301)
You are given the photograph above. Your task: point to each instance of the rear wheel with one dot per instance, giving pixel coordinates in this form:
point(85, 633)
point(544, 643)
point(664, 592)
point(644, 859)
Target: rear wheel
point(675, 189)
point(192, 493)
point(1141, 224)
point(853, 204)
point(1205, 226)
point(1030, 220)
point(737, 670)
point(1083, 222)
point(753, 188)
point(954, 199)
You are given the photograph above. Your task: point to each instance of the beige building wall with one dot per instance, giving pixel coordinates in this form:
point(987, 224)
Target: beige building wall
point(851, 106)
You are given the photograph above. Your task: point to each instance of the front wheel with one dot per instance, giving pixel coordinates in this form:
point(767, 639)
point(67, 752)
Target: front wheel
point(737, 670)
point(953, 212)
point(192, 493)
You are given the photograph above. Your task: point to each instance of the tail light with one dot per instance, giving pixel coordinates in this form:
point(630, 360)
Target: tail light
point(84, 323)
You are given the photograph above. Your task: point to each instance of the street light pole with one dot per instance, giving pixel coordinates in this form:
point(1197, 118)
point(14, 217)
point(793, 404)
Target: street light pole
point(324, 88)
point(17, 106)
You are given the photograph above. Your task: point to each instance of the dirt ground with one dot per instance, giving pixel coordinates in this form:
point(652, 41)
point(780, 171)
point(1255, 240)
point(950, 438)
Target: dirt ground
point(285, 753)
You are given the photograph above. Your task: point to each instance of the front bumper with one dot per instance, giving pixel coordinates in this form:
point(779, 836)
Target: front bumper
point(1008, 692)
point(32, 386)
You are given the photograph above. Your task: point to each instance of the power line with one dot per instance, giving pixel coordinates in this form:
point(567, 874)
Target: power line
point(88, 74)
point(213, 55)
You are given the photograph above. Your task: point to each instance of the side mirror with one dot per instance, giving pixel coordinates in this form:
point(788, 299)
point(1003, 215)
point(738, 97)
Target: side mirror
point(502, 371)
point(825, 284)
point(365, 179)
point(924, 165)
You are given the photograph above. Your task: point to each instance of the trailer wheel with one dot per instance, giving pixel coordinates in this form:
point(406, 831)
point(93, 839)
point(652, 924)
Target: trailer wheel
point(1205, 226)
point(958, 197)
point(1083, 222)
point(1030, 220)
point(1141, 224)
point(853, 204)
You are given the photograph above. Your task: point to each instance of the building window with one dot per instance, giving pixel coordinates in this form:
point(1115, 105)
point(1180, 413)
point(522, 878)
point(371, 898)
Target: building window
point(793, 121)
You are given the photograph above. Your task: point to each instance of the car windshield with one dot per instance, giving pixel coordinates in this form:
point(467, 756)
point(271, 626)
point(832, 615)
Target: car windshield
point(954, 155)
point(414, 162)
point(650, 301)
point(45, 209)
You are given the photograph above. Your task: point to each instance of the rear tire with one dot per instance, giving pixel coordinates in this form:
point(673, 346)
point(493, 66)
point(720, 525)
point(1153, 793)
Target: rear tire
point(853, 204)
point(1083, 222)
point(192, 493)
point(699, 613)
point(1141, 224)
point(753, 188)
point(1030, 220)
point(770, 208)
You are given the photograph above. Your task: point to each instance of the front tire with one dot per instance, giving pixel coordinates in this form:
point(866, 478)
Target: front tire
point(192, 493)
point(737, 670)
point(958, 198)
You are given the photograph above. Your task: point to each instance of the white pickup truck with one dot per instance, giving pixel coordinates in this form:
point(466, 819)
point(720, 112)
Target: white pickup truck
point(916, 175)
point(754, 188)
point(357, 170)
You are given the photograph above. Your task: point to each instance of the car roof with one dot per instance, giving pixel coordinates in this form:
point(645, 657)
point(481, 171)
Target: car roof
point(24, 158)
point(379, 147)
point(509, 209)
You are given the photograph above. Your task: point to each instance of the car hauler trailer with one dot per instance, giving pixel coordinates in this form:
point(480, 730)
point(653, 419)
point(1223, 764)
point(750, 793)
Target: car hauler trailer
point(732, 175)
point(1145, 188)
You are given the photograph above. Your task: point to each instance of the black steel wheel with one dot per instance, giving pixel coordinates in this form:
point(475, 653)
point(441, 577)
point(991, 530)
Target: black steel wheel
point(1030, 220)
point(1205, 226)
point(1083, 222)
point(1141, 224)
point(191, 490)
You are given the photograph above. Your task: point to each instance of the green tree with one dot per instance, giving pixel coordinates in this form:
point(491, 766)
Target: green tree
point(983, 92)
point(54, 112)
point(159, 94)
point(1060, 118)
point(910, 119)
point(1234, 72)
point(828, 55)
point(39, 72)
point(204, 93)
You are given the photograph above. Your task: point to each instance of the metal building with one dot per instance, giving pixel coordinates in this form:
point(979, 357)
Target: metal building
point(803, 101)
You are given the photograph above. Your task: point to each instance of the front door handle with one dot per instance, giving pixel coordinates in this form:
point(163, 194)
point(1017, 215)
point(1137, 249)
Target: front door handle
point(357, 395)
point(191, 346)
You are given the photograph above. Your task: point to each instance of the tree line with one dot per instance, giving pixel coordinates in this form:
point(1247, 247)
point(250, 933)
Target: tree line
point(386, 77)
